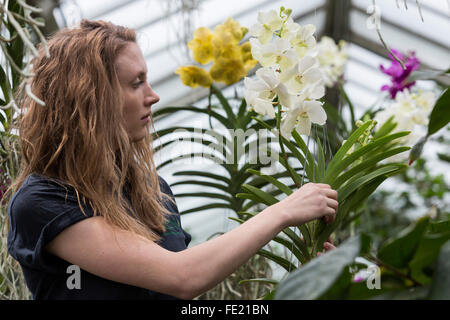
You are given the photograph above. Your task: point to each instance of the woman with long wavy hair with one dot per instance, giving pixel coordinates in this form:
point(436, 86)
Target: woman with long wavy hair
point(89, 198)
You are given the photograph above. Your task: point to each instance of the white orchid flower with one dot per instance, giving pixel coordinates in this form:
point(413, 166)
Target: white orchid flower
point(260, 92)
point(303, 41)
point(332, 59)
point(277, 52)
point(289, 29)
point(268, 22)
point(302, 115)
point(425, 100)
point(305, 72)
point(260, 105)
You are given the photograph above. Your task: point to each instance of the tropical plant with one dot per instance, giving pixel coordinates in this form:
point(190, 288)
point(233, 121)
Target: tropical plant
point(412, 265)
point(18, 31)
point(231, 143)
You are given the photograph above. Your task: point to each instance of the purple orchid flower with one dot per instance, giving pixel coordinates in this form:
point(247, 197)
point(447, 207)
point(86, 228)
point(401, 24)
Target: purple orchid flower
point(398, 74)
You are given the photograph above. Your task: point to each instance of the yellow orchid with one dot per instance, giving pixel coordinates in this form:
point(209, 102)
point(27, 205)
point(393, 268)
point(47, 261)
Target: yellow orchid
point(201, 45)
point(231, 28)
point(228, 70)
point(194, 76)
point(231, 60)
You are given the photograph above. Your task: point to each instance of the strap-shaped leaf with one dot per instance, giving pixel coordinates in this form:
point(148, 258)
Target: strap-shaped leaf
point(264, 197)
point(293, 174)
point(203, 174)
point(340, 154)
point(321, 162)
point(211, 195)
point(202, 155)
point(207, 207)
point(332, 173)
point(291, 235)
point(310, 165)
point(287, 265)
point(386, 128)
point(217, 116)
point(345, 191)
point(273, 181)
point(440, 115)
point(365, 165)
point(224, 102)
point(202, 183)
point(286, 243)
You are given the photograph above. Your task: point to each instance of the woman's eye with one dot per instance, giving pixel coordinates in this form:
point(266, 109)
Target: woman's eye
point(137, 84)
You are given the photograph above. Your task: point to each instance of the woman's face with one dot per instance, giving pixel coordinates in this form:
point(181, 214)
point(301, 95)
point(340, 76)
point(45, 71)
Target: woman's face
point(139, 96)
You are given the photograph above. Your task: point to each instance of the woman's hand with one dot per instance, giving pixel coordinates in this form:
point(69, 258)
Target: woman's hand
point(327, 246)
point(312, 201)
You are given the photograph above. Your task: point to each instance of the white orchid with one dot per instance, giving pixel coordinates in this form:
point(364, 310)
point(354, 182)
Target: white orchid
point(302, 115)
point(262, 106)
point(289, 29)
point(425, 100)
point(410, 110)
point(332, 59)
point(268, 22)
point(304, 73)
point(303, 40)
point(260, 92)
point(290, 73)
point(278, 52)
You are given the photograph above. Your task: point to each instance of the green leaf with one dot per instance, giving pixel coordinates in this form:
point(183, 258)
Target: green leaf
point(202, 183)
point(440, 115)
point(210, 195)
point(321, 162)
point(350, 104)
point(228, 124)
point(264, 197)
point(426, 254)
point(319, 275)
point(284, 188)
point(207, 207)
point(386, 128)
point(439, 226)
point(346, 190)
point(287, 265)
point(366, 165)
point(399, 251)
point(440, 287)
point(310, 165)
point(340, 154)
point(333, 172)
point(203, 174)
point(224, 102)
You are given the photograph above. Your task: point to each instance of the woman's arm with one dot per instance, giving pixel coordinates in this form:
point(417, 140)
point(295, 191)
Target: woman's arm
point(122, 256)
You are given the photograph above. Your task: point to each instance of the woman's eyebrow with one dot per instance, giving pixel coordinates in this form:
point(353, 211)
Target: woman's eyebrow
point(140, 74)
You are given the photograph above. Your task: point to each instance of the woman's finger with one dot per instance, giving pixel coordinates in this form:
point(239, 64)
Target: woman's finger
point(328, 246)
point(330, 193)
point(332, 203)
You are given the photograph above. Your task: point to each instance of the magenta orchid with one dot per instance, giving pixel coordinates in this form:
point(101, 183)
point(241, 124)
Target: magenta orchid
point(399, 76)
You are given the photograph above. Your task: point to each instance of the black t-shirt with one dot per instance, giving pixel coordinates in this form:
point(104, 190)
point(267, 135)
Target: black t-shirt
point(38, 212)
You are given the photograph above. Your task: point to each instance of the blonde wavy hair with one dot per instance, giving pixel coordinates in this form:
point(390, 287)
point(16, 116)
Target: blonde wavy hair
point(78, 138)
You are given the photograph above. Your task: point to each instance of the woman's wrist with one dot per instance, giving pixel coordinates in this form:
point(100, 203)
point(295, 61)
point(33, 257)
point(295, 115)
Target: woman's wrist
point(278, 217)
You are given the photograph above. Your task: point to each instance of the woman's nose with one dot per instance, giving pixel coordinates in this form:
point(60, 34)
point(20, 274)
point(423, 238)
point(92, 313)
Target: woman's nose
point(152, 97)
